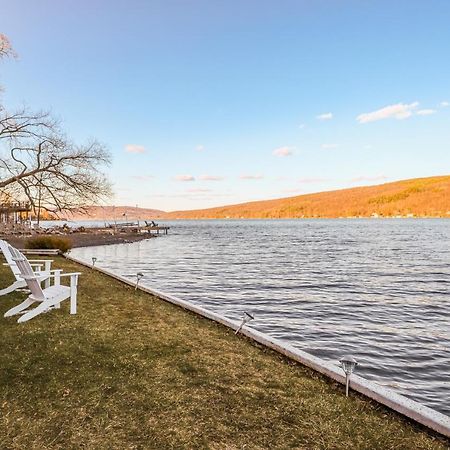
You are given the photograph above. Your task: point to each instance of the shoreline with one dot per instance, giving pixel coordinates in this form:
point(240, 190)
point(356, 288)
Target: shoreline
point(159, 376)
point(85, 239)
point(431, 419)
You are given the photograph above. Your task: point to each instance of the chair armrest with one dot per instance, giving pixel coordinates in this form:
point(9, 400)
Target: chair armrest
point(54, 275)
point(66, 274)
point(40, 260)
point(48, 273)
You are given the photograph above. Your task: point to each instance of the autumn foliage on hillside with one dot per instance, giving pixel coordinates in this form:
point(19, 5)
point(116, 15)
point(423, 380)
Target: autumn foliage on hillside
point(419, 197)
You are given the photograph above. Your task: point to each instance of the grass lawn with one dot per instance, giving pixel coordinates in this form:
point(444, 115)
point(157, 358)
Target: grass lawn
point(130, 371)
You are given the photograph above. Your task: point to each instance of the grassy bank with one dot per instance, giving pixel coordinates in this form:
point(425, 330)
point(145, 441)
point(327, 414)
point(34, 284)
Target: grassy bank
point(131, 371)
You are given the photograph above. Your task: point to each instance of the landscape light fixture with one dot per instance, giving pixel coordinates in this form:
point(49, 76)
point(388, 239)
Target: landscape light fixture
point(139, 275)
point(348, 364)
point(94, 259)
point(246, 317)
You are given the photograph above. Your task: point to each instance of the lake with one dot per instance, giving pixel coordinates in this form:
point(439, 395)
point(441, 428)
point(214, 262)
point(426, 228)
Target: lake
point(377, 289)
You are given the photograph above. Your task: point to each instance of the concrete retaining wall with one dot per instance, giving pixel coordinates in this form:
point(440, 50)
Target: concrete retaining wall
point(409, 408)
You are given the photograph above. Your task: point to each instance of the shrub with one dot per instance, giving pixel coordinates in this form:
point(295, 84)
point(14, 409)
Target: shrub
point(49, 242)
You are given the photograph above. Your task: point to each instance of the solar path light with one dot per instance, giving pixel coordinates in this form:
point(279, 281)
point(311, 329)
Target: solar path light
point(348, 364)
point(94, 259)
point(246, 317)
point(139, 276)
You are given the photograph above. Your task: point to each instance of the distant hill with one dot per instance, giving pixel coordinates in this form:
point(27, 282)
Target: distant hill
point(418, 197)
point(115, 212)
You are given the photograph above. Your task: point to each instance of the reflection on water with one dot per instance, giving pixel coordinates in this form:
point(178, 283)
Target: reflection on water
point(376, 289)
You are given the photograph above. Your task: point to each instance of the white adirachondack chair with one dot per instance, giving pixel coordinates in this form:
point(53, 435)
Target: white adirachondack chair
point(37, 265)
point(50, 297)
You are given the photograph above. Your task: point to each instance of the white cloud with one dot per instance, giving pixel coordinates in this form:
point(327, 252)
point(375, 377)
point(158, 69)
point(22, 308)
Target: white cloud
point(200, 148)
point(312, 180)
point(302, 126)
point(184, 178)
point(211, 178)
point(425, 112)
point(329, 146)
point(364, 178)
point(283, 151)
point(398, 111)
point(134, 148)
point(198, 190)
point(444, 104)
point(251, 177)
point(325, 116)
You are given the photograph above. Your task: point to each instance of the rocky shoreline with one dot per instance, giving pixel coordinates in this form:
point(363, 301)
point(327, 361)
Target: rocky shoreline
point(86, 239)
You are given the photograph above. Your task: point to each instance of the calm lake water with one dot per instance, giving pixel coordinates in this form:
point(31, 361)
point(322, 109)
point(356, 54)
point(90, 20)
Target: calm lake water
point(375, 289)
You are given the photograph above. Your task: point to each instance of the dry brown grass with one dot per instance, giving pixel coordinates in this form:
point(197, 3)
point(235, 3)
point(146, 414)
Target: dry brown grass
point(133, 372)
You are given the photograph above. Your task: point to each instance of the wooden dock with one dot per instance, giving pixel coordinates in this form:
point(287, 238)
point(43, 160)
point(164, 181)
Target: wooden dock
point(135, 228)
point(163, 229)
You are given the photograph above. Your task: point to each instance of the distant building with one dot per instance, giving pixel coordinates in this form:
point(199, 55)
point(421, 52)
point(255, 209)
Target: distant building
point(14, 212)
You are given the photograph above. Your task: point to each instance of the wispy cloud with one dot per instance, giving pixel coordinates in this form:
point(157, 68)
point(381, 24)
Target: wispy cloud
point(398, 111)
point(251, 177)
point(444, 104)
point(329, 146)
point(312, 180)
point(302, 126)
point(211, 178)
point(325, 116)
point(184, 178)
point(190, 195)
point(281, 152)
point(134, 148)
point(425, 112)
point(200, 148)
point(198, 190)
point(363, 178)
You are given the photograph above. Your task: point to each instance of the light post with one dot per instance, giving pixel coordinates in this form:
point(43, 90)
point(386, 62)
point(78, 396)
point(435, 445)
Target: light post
point(348, 364)
point(246, 317)
point(139, 276)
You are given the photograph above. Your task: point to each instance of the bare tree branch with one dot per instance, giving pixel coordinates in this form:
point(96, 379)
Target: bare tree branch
point(51, 171)
point(39, 163)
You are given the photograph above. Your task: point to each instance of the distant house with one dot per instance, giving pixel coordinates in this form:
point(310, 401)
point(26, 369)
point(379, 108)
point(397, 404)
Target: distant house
point(14, 212)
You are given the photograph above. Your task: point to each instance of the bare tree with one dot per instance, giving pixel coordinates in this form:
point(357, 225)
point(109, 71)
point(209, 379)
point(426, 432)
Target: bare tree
point(40, 164)
point(50, 171)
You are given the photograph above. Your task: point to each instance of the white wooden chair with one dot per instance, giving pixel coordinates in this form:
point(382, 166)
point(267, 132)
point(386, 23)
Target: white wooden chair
point(50, 297)
point(37, 265)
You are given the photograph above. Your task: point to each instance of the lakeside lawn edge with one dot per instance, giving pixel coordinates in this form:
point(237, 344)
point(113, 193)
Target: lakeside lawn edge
point(424, 416)
point(132, 371)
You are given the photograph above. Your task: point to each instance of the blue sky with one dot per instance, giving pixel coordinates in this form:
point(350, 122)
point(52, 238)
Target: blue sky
point(206, 103)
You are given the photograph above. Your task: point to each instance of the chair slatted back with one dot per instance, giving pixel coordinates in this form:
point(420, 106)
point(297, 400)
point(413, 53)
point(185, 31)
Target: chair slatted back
point(27, 272)
point(5, 248)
